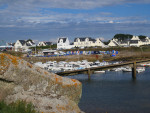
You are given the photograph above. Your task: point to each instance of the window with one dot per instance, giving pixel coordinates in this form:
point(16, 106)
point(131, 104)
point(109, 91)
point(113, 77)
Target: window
point(87, 39)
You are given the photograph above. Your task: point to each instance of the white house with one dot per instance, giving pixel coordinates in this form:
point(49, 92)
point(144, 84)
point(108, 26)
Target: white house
point(145, 41)
point(88, 42)
point(134, 41)
point(113, 43)
point(99, 43)
point(23, 45)
point(44, 43)
point(63, 43)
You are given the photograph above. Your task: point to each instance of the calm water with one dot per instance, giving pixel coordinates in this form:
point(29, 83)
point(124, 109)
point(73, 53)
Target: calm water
point(115, 92)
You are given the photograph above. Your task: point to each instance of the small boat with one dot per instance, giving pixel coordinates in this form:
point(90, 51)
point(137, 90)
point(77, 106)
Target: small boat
point(99, 72)
point(127, 69)
point(140, 69)
point(148, 65)
point(143, 65)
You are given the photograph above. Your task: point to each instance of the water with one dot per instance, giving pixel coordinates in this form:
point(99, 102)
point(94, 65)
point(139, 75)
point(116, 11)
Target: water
point(115, 92)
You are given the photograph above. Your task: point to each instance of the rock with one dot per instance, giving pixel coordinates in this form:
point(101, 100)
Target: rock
point(19, 80)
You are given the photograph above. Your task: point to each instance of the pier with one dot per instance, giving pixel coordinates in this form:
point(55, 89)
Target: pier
point(88, 71)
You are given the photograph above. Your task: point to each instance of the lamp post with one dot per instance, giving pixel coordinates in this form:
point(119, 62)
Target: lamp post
point(141, 50)
point(35, 49)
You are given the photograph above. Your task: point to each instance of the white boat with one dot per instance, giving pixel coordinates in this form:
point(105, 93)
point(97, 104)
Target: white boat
point(140, 69)
point(93, 66)
point(56, 69)
point(68, 67)
point(148, 64)
point(99, 72)
point(143, 64)
point(127, 69)
point(40, 64)
point(119, 69)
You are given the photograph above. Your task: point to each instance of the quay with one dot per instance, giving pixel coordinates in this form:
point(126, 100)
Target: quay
point(89, 71)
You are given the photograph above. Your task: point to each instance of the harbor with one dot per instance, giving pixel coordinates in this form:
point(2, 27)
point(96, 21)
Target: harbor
point(74, 56)
point(112, 89)
point(115, 92)
point(72, 68)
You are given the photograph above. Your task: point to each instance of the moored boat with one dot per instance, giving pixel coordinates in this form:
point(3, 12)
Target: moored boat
point(99, 72)
point(140, 69)
point(127, 69)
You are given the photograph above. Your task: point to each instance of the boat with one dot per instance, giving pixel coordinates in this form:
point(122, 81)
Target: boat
point(99, 72)
point(140, 69)
point(127, 69)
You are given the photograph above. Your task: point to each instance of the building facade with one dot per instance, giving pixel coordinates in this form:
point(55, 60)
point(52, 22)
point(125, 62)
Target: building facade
point(23, 45)
point(135, 41)
point(88, 42)
point(63, 43)
point(43, 43)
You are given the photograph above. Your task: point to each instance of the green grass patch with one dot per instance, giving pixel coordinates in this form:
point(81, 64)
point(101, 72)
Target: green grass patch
point(17, 107)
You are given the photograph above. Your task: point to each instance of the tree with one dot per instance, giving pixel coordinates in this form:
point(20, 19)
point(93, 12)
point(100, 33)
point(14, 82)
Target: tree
point(142, 37)
point(122, 37)
point(106, 42)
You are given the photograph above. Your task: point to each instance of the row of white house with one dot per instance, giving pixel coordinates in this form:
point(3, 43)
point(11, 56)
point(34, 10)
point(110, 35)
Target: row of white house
point(64, 43)
point(134, 41)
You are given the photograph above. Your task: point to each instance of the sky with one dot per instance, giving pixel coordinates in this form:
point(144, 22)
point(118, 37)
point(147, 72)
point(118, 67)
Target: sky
point(47, 20)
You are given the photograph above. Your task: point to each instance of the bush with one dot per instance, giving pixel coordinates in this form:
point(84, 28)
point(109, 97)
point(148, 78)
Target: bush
point(17, 107)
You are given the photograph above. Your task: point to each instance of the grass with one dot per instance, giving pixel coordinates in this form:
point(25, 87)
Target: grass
point(17, 107)
point(14, 53)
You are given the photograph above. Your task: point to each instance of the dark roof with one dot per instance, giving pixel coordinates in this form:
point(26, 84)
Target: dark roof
point(91, 39)
point(28, 44)
point(143, 39)
point(124, 41)
point(71, 43)
point(134, 41)
point(13, 44)
point(64, 40)
point(48, 43)
point(22, 42)
point(84, 38)
point(81, 39)
point(116, 43)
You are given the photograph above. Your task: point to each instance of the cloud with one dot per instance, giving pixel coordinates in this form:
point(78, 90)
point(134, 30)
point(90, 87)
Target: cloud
point(28, 12)
point(68, 4)
point(111, 22)
point(51, 31)
point(21, 19)
point(77, 18)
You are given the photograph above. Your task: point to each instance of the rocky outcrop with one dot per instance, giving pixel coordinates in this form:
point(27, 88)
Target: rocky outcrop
point(19, 80)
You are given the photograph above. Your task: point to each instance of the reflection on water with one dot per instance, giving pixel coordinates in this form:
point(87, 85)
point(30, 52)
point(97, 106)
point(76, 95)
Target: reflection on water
point(115, 92)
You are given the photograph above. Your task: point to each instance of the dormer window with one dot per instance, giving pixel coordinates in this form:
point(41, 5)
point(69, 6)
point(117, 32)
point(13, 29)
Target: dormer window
point(78, 40)
point(61, 40)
